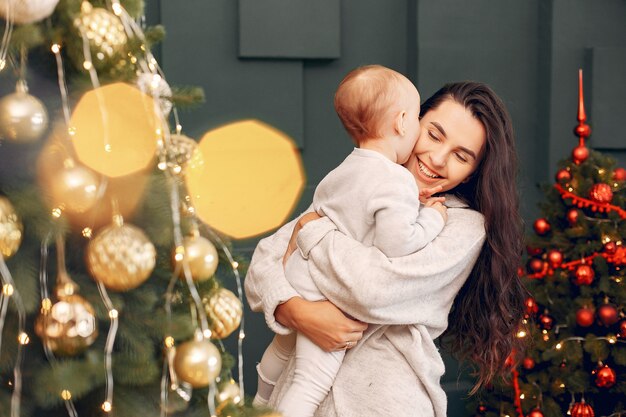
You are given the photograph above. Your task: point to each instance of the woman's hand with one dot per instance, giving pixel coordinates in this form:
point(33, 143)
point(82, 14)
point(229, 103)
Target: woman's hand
point(321, 322)
point(294, 235)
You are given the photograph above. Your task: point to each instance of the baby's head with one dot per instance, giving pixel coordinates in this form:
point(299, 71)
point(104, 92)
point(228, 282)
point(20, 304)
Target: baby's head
point(374, 102)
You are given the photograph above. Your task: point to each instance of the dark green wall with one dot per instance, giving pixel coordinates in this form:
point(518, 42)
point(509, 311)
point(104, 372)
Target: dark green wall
point(528, 51)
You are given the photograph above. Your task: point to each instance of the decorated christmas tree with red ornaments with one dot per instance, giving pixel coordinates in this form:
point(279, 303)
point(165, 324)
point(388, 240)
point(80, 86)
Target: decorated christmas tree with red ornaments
point(575, 324)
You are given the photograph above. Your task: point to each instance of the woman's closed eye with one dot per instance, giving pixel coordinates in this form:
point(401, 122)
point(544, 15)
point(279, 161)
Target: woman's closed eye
point(433, 136)
point(461, 157)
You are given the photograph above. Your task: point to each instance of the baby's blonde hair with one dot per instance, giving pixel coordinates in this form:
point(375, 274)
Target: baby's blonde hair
point(364, 97)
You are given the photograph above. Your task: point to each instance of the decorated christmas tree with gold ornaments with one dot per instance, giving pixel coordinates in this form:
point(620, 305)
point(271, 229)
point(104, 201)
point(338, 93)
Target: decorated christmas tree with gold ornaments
point(575, 324)
point(113, 299)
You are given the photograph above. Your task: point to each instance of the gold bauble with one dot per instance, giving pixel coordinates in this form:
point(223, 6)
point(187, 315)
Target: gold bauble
point(179, 152)
point(103, 29)
point(224, 310)
point(10, 228)
point(74, 188)
point(228, 392)
point(197, 362)
point(69, 326)
point(201, 256)
point(23, 118)
point(121, 257)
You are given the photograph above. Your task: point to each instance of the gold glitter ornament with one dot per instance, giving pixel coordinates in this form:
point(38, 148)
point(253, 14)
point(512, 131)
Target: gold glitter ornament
point(228, 392)
point(121, 256)
point(103, 30)
point(179, 152)
point(197, 362)
point(23, 117)
point(201, 256)
point(27, 11)
point(74, 188)
point(224, 310)
point(69, 326)
point(11, 229)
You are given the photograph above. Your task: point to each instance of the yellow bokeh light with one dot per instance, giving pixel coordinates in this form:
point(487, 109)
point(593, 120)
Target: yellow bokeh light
point(114, 129)
point(245, 178)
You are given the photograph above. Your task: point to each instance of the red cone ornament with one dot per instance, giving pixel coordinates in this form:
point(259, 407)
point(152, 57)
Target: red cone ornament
point(584, 275)
point(582, 409)
point(601, 193)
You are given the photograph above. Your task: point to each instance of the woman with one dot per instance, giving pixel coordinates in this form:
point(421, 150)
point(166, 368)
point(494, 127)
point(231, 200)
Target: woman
point(466, 277)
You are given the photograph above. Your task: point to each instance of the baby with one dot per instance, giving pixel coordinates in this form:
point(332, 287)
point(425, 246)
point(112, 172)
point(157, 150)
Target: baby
point(369, 196)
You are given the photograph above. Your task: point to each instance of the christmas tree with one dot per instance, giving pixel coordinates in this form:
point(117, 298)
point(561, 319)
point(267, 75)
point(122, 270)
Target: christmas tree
point(112, 300)
point(575, 362)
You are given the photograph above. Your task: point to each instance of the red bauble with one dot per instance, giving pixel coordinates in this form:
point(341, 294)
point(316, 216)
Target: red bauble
point(580, 154)
point(610, 248)
point(607, 314)
point(528, 363)
point(582, 130)
point(601, 193)
point(535, 413)
point(605, 377)
point(584, 275)
point(619, 174)
point(546, 321)
point(531, 306)
point(581, 409)
point(622, 328)
point(533, 251)
point(536, 265)
point(585, 317)
point(520, 272)
point(563, 176)
point(481, 409)
point(541, 226)
point(572, 216)
point(555, 258)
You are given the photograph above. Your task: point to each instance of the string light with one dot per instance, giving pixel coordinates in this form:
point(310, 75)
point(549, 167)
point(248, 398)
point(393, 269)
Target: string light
point(66, 395)
point(87, 232)
point(46, 305)
point(113, 314)
point(559, 346)
point(169, 341)
point(23, 338)
point(207, 333)
point(56, 48)
point(56, 212)
point(71, 131)
point(521, 334)
point(106, 407)
point(7, 289)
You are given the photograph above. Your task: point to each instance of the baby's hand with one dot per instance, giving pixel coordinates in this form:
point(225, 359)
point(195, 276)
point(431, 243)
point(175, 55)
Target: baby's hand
point(437, 204)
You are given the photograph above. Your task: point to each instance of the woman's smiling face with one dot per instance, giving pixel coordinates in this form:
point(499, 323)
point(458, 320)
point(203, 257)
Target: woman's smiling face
point(449, 148)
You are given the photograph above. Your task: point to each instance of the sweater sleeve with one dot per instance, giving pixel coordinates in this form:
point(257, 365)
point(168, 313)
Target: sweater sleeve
point(418, 288)
point(401, 228)
point(265, 284)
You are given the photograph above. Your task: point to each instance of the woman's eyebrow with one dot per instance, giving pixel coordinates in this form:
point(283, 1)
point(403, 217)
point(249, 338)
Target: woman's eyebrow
point(439, 128)
point(463, 148)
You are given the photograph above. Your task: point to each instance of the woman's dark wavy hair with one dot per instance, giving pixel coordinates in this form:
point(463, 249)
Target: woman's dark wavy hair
point(488, 310)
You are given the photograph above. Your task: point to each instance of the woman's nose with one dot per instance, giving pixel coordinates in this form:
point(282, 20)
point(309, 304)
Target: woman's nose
point(438, 159)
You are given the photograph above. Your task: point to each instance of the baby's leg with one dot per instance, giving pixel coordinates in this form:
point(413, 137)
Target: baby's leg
point(271, 366)
point(313, 377)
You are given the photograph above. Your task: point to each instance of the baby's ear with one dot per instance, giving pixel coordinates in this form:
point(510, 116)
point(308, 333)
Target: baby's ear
point(399, 123)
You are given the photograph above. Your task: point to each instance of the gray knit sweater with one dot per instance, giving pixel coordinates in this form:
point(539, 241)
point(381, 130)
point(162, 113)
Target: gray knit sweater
point(396, 368)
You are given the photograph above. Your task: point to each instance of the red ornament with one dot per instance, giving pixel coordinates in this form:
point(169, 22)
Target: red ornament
point(622, 328)
point(585, 317)
point(610, 248)
point(580, 154)
point(536, 265)
point(535, 413)
point(520, 272)
point(601, 193)
point(605, 377)
point(584, 275)
point(528, 363)
point(533, 251)
point(563, 176)
point(619, 174)
point(581, 409)
point(481, 409)
point(583, 130)
point(607, 314)
point(572, 216)
point(555, 257)
point(541, 226)
point(546, 321)
point(531, 306)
